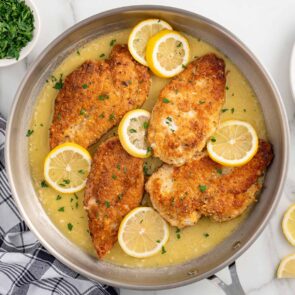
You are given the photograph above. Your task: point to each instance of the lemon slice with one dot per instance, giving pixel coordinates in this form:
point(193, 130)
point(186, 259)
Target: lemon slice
point(286, 268)
point(143, 232)
point(288, 225)
point(140, 35)
point(234, 144)
point(66, 167)
point(132, 133)
point(167, 53)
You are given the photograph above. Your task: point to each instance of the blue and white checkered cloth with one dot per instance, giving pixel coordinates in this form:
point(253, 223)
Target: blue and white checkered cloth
point(26, 268)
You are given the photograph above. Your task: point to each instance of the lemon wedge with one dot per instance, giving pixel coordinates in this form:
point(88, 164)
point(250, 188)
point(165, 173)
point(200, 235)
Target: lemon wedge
point(235, 143)
point(66, 167)
point(140, 35)
point(143, 232)
point(167, 53)
point(288, 225)
point(132, 133)
point(286, 268)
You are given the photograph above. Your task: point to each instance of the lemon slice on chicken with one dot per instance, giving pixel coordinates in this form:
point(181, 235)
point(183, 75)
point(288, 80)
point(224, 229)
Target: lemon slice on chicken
point(143, 232)
point(132, 133)
point(235, 143)
point(167, 53)
point(140, 35)
point(66, 167)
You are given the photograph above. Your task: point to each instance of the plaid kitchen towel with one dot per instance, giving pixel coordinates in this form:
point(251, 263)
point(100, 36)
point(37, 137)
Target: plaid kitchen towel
point(25, 266)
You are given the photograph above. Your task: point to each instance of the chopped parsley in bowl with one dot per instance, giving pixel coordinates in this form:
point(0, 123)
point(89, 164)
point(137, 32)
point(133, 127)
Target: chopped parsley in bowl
point(19, 29)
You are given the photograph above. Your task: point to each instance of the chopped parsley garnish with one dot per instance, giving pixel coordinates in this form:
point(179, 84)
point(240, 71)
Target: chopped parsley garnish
point(59, 84)
point(102, 55)
point(184, 66)
point(226, 87)
point(66, 181)
point(163, 250)
point(112, 43)
point(61, 209)
point(76, 196)
point(202, 188)
point(58, 197)
point(59, 116)
point(165, 100)
point(145, 125)
point(219, 170)
point(29, 132)
point(206, 235)
point(132, 130)
point(82, 112)
point(70, 226)
point(178, 233)
point(213, 139)
point(201, 101)
point(114, 176)
point(107, 204)
point(78, 52)
point(149, 149)
point(177, 230)
point(244, 110)
point(101, 116)
point(16, 27)
point(84, 86)
point(120, 197)
point(146, 170)
point(112, 117)
point(224, 110)
point(158, 241)
point(178, 236)
point(44, 184)
point(118, 166)
point(81, 171)
point(179, 44)
point(232, 110)
point(103, 97)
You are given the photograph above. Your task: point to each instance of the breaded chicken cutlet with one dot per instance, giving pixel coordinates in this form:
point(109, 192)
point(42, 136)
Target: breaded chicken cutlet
point(95, 97)
point(187, 111)
point(114, 187)
point(202, 187)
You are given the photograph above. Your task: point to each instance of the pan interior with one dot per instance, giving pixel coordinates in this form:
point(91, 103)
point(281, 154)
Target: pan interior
point(18, 150)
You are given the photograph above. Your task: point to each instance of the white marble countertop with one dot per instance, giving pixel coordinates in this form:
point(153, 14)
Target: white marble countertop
point(268, 28)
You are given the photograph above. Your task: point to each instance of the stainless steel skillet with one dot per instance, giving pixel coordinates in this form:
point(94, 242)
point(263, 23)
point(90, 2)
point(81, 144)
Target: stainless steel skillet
point(26, 197)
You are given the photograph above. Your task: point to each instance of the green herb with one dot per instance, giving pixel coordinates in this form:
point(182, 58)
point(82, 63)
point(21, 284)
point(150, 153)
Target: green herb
point(44, 184)
point(81, 171)
point(201, 101)
point(165, 100)
point(114, 176)
point(146, 170)
point(66, 181)
point(29, 132)
point(179, 44)
point(219, 170)
point(132, 130)
point(224, 110)
point(103, 97)
point(178, 236)
point(102, 55)
point(59, 116)
point(61, 209)
point(158, 241)
point(226, 87)
point(84, 86)
point(202, 188)
point(145, 125)
point(232, 110)
point(107, 204)
point(78, 52)
point(59, 84)
point(101, 116)
point(177, 230)
point(70, 226)
point(112, 117)
point(163, 250)
point(141, 221)
point(16, 27)
point(244, 110)
point(120, 197)
point(41, 125)
point(125, 169)
point(118, 166)
point(206, 235)
point(184, 66)
point(169, 119)
point(58, 197)
point(76, 196)
point(149, 149)
point(213, 139)
point(82, 112)
point(112, 43)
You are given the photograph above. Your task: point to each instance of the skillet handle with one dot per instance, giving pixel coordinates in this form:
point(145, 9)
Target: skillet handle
point(235, 288)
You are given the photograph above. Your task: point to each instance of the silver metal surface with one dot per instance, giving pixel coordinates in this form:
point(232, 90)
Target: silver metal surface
point(27, 199)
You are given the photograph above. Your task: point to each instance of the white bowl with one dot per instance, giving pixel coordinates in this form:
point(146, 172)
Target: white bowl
point(29, 47)
point(292, 72)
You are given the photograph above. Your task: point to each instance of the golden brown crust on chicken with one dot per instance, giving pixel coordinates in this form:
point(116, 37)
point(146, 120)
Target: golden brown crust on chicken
point(96, 96)
point(202, 187)
point(114, 187)
point(187, 111)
